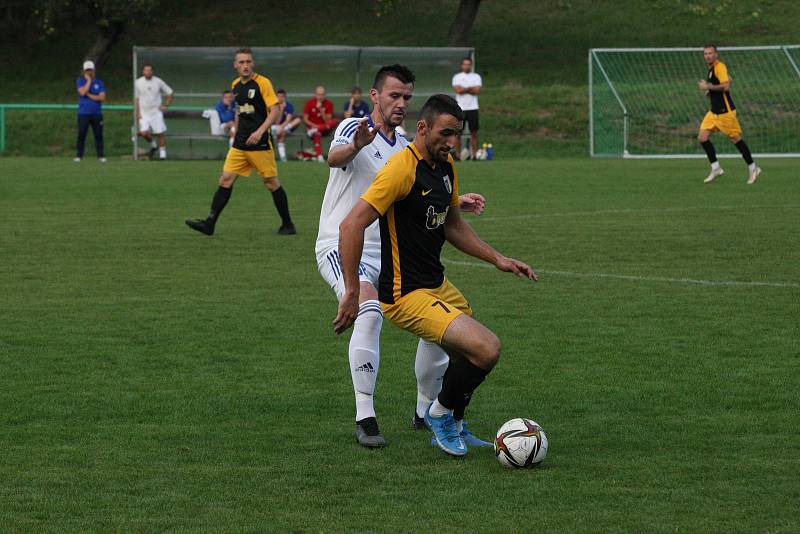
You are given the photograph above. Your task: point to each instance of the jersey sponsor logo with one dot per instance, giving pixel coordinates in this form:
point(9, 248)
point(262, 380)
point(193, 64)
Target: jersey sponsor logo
point(434, 220)
point(251, 93)
point(247, 108)
point(425, 193)
point(447, 183)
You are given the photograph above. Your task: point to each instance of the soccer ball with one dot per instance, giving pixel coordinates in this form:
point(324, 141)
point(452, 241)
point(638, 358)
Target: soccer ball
point(520, 443)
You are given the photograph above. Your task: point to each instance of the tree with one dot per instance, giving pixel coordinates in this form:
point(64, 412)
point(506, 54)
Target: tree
point(111, 19)
point(462, 24)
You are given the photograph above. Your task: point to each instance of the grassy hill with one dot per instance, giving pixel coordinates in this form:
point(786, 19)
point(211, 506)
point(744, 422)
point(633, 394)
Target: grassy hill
point(532, 55)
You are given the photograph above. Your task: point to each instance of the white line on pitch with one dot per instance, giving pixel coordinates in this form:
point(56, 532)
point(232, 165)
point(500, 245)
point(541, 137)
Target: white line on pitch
point(634, 278)
point(628, 210)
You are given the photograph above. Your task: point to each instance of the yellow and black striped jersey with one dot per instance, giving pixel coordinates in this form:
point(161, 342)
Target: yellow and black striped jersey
point(413, 198)
point(253, 100)
point(721, 101)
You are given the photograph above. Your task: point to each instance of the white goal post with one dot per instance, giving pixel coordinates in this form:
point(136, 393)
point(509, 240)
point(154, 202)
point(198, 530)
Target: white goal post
point(645, 103)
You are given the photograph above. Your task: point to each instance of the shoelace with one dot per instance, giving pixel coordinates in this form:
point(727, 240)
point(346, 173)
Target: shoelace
point(370, 427)
point(451, 432)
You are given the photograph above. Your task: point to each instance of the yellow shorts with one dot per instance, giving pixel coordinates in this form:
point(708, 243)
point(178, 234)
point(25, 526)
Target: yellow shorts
point(242, 162)
point(726, 123)
point(427, 313)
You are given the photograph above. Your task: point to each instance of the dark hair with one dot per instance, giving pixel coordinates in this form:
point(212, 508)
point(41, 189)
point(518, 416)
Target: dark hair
point(227, 92)
point(243, 50)
point(356, 89)
point(439, 105)
point(710, 46)
point(280, 92)
point(467, 58)
point(147, 65)
point(400, 72)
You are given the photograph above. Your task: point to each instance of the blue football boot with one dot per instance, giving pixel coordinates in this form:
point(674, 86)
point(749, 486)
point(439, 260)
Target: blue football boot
point(445, 435)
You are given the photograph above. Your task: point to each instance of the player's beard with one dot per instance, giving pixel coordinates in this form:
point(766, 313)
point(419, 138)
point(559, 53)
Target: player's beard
point(390, 121)
point(434, 152)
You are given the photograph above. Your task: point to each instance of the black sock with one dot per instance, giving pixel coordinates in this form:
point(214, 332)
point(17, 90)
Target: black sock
point(745, 150)
point(282, 205)
point(221, 198)
point(710, 152)
point(459, 382)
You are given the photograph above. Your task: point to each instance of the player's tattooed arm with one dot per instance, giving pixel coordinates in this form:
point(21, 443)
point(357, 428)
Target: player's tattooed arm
point(351, 245)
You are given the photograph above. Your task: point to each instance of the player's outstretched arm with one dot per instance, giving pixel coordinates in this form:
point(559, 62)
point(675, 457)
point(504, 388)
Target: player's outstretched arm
point(463, 237)
point(342, 155)
point(351, 245)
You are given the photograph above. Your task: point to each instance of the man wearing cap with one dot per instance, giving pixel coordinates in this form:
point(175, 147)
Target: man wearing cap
point(92, 93)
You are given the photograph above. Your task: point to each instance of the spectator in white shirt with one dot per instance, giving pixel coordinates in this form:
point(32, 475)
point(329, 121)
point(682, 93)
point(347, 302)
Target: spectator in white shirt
point(467, 85)
point(150, 109)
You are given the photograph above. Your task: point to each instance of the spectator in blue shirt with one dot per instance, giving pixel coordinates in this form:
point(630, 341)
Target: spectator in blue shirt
point(286, 124)
point(92, 93)
point(356, 107)
point(226, 109)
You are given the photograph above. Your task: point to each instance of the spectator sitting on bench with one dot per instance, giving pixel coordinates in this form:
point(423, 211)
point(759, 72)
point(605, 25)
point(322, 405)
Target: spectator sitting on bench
point(356, 107)
point(222, 118)
point(286, 124)
point(318, 116)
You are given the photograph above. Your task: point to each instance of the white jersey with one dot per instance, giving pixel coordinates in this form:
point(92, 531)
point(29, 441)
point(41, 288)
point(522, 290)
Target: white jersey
point(346, 185)
point(467, 101)
point(149, 94)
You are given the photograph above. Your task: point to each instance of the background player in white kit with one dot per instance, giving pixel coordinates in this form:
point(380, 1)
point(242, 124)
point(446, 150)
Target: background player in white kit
point(359, 149)
point(150, 109)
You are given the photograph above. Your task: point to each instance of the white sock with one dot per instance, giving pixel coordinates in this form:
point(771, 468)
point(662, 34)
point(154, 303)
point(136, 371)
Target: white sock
point(282, 150)
point(429, 367)
point(715, 166)
point(364, 353)
point(162, 153)
point(437, 410)
point(752, 166)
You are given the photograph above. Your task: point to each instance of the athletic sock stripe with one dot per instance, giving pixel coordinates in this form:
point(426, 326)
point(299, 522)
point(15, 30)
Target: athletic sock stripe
point(369, 310)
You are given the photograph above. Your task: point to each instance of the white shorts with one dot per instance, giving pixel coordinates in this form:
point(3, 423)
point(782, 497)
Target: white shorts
point(275, 127)
point(153, 122)
point(330, 267)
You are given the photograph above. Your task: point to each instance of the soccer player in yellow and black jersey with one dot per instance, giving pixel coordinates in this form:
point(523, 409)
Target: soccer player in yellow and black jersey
point(416, 197)
point(722, 117)
point(257, 110)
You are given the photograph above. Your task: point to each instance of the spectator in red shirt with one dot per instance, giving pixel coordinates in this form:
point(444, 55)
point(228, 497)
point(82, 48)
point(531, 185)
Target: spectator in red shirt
point(318, 116)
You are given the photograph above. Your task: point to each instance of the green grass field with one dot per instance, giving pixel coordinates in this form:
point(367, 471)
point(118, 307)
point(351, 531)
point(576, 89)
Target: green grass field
point(155, 379)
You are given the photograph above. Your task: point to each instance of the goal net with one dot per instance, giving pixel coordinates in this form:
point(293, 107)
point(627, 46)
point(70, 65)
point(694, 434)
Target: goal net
point(198, 76)
point(645, 103)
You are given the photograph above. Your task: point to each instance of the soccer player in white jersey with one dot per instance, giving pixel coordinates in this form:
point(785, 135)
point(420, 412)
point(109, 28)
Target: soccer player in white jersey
point(359, 149)
point(150, 109)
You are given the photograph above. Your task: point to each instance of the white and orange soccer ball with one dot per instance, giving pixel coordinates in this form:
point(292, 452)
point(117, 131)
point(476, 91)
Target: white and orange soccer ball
point(520, 443)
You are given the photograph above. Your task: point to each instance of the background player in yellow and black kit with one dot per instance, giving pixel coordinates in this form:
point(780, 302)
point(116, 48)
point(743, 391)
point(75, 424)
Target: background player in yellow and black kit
point(257, 110)
point(416, 197)
point(722, 117)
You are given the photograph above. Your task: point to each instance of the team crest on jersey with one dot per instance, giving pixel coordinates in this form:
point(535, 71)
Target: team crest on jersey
point(447, 183)
point(251, 93)
point(434, 220)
